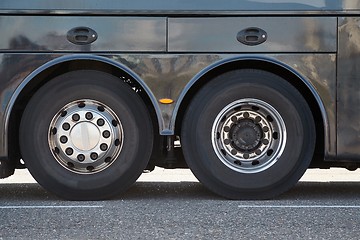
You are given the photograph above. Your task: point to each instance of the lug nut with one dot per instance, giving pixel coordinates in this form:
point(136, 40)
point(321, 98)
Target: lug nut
point(81, 157)
point(100, 122)
point(66, 126)
point(106, 134)
point(93, 156)
point(63, 139)
point(76, 117)
point(103, 147)
point(88, 116)
point(69, 151)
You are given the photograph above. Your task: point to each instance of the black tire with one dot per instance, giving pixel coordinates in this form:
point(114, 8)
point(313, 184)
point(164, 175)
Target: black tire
point(86, 135)
point(233, 138)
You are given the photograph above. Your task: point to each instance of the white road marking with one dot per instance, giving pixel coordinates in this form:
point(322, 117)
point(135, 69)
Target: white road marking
point(298, 206)
point(44, 206)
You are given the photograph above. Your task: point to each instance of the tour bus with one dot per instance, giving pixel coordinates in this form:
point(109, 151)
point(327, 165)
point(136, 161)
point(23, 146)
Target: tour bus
point(248, 94)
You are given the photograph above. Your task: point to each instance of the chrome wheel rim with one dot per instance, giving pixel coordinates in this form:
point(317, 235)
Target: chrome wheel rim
point(85, 136)
point(248, 135)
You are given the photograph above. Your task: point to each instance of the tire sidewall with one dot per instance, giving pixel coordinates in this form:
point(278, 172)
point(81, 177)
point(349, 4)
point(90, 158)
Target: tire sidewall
point(272, 90)
point(116, 95)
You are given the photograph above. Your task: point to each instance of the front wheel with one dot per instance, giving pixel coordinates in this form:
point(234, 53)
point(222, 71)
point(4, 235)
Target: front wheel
point(248, 134)
point(86, 135)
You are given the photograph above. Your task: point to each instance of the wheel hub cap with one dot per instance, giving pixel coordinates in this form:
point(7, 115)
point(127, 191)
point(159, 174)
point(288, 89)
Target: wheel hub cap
point(249, 135)
point(246, 135)
point(85, 136)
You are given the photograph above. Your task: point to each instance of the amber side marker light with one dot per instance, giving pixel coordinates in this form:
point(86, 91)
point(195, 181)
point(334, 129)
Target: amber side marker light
point(166, 101)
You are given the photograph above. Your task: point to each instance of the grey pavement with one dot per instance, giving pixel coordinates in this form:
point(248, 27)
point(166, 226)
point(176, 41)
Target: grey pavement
point(172, 204)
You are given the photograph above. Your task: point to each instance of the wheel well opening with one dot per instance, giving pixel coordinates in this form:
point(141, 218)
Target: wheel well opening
point(52, 72)
point(269, 67)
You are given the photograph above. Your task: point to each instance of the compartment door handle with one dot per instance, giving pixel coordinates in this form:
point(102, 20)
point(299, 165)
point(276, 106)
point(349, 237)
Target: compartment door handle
point(252, 36)
point(81, 35)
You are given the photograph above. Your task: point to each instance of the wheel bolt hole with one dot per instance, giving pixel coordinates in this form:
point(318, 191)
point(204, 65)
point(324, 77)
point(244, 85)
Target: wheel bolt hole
point(234, 119)
point(223, 152)
point(255, 108)
point(81, 105)
point(69, 151)
point(255, 162)
point(90, 168)
point(257, 119)
point(246, 156)
point(66, 126)
point(233, 152)
point(93, 156)
point(246, 115)
point(63, 139)
point(269, 152)
point(269, 118)
point(275, 135)
point(227, 129)
point(101, 108)
point(57, 150)
point(237, 162)
point(117, 142)
point(81, 157)
point(114, 123)
point(88, 115)
point(237, 109)
point(63, 113)
point(100, 122)
point(76, 117)
point(103, 147)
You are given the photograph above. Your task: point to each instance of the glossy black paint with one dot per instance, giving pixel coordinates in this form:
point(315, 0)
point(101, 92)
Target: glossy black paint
point(284, 34)
point(49, 34)
point(167, 46)
point(172, 6)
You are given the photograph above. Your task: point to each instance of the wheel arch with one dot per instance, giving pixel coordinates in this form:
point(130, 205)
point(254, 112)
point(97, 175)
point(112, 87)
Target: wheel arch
point(56, 67)
point(267, 64)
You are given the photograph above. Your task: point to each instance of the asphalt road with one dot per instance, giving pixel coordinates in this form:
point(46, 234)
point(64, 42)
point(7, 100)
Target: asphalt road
point(173, 205)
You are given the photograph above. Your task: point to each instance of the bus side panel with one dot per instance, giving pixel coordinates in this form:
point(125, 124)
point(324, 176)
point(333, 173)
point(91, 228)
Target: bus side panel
point(348, 96)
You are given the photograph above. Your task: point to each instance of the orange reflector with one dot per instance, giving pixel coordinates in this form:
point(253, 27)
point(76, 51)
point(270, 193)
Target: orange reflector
point(166, 101)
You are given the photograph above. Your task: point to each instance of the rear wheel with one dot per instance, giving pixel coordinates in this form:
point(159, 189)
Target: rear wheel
point(248, 134)
point(86, 135)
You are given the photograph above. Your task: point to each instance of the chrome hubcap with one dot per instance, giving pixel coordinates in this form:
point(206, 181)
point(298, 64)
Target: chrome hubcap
point(249, 135)
point(85, 136)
